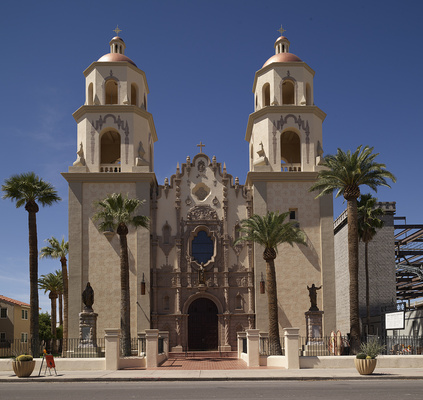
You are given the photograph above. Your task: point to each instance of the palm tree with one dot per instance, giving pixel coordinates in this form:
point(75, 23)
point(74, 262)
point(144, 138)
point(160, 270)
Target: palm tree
point(270, 231)
point(368, 222)
point(26, 190)
point(54, 284)
point(115, 212)
point(59, 250)
point(345, 173)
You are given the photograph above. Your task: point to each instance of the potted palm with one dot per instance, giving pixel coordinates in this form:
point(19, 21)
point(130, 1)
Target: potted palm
point(23, 365)
point(365, 361)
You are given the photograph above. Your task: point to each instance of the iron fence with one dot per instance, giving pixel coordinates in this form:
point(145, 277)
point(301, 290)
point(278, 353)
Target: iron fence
point(269, 349)
point(76, 348)
point(325, 346)
point(403, 345)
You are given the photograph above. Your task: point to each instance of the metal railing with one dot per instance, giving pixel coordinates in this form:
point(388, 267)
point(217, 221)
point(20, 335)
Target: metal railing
point(76, 348)
point(403, 345)
point(324, 346)
point(268, 349)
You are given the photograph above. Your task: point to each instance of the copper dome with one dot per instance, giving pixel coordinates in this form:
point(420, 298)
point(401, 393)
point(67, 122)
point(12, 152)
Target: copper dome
point(281, 58)
point(112, 57)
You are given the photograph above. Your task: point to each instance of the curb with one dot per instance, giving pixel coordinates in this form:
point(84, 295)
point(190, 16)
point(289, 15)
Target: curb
point(221, 379)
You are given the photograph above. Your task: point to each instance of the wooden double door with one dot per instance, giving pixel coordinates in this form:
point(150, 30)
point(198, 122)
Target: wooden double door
point(202, 325)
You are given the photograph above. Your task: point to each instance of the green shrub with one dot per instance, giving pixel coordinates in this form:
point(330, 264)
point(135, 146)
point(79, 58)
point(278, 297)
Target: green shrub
point(372, 348)
point(24, 357)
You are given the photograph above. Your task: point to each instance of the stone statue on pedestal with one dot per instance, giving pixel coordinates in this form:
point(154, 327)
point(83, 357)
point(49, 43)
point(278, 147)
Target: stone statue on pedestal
point(312, 292)
point(88, 298)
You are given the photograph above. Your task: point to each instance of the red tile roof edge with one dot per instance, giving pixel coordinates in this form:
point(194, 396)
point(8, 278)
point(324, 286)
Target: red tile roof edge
point(12, 301)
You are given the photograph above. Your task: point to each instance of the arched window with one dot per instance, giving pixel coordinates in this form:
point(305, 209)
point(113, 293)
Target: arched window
point(308, 94)
point(111, 92)
point(266, 95)
point(238, 302)
point(291, 150)
point(134, 94)
point(90, 94)
point(110, 148)
point(202, 247)
point(288, 92)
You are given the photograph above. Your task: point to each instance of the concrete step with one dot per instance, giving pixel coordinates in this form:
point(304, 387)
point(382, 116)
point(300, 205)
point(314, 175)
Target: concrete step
point(203, 354)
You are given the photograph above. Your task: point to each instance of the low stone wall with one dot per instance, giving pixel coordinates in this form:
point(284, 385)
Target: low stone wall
point(332, 362)
point(132, 362)
point(63, 364)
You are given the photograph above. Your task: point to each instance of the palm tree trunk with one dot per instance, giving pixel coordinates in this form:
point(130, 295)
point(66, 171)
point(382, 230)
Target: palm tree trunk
point(366, 267)
point(65, 305)
point(272, 298)
point(125, 311)
point(32, 209)
point(353, 269)
point(60, 298)
point(53, 297)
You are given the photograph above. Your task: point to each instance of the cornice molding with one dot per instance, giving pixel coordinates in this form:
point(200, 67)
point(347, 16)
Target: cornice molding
point(116, 109)
point(285, 110)
point(253, 177)
point(100, 177)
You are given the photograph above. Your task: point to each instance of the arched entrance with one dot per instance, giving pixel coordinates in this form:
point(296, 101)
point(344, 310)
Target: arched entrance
point(202, 325)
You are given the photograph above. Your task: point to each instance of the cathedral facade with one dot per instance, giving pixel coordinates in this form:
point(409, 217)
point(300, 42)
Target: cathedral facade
point(187, 275)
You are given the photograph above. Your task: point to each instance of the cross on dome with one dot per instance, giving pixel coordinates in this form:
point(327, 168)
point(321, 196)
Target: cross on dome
point(281, 30)
point(117, 30)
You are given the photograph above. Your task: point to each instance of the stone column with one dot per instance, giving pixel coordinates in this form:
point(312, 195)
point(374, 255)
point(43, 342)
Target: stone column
point(240, 341)
point(112, 344)
point(253, 352)
point(151, 347)
point(291, 336)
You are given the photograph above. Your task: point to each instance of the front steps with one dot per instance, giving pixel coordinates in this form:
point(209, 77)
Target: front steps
point(203, 354)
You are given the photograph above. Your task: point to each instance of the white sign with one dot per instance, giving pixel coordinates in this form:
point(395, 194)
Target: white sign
point(395, 320)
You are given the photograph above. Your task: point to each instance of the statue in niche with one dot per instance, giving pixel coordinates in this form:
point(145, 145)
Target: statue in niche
point(88, 298)
point(141, 153)
point(201, 275)
point(312, 292)
point(80, 160)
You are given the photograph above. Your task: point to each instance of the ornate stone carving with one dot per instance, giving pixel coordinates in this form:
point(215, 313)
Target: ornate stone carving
point(202, 213)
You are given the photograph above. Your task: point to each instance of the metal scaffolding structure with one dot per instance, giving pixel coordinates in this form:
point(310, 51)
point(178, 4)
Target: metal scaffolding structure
point(409, 260)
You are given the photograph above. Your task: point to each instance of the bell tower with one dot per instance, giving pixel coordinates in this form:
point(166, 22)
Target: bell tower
point(285, 147)
point(285, 130)
point(115, 154)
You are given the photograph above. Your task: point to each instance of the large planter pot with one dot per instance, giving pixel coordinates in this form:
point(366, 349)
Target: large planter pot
point(365, 366)
point(23, 368)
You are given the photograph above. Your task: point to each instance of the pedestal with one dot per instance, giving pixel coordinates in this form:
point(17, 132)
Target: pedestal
point(315, 345)
point(314, 324)
point(87, 329)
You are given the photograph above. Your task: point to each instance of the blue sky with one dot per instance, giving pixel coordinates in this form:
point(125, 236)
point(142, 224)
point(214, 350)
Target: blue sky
point(200, 58)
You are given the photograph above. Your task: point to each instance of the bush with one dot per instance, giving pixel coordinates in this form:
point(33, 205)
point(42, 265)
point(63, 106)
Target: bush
point(24, 357)
point(372, 348)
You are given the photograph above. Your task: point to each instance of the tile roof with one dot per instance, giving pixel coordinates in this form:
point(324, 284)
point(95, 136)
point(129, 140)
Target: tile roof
point(12, 301)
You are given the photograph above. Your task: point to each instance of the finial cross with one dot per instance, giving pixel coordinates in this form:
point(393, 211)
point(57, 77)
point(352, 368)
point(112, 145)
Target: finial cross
point(117, 30)
point(281, 30)
point(201, 145)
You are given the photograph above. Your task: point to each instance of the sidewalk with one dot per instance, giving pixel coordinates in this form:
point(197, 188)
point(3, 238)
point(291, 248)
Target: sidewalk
point(218, 375)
